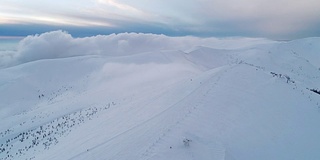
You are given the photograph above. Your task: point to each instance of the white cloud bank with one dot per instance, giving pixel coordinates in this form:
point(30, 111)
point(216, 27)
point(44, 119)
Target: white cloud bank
point(60, 44)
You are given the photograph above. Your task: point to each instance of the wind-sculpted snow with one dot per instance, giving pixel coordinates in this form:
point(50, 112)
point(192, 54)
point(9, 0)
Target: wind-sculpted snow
point(143, 96)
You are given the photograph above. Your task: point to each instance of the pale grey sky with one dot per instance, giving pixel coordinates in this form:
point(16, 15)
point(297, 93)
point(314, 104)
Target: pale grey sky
point(278, 19)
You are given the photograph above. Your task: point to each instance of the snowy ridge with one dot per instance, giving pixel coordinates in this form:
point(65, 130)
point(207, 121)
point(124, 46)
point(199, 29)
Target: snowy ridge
point(259, 101)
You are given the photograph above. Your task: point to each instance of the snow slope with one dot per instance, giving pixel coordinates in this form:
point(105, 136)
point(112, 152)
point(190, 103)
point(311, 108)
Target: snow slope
point(258, 101)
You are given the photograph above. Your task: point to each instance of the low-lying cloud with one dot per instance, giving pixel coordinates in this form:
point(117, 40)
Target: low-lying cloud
point(60, 44)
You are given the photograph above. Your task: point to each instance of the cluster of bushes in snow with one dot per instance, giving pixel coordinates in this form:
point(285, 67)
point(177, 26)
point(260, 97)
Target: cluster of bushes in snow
point(286, 77)
point(44, 136)
point(315, 91)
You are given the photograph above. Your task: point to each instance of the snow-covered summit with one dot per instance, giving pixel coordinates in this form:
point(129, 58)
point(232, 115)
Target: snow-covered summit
point(220, 99)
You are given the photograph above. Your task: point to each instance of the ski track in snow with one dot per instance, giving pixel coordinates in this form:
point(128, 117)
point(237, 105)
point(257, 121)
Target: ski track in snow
point(149, 153)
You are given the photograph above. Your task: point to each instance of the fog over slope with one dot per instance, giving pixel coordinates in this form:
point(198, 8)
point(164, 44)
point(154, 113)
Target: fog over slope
point(59, 44)
point(144, 96)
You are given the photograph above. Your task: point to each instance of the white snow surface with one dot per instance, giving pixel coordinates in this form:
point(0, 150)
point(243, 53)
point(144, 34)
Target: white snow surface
point(258, 101)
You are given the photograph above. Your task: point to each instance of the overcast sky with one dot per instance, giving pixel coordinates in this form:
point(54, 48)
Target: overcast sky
point(276, 19)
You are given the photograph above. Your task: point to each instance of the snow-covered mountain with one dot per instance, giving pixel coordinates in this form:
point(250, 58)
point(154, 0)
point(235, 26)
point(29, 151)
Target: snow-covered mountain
point(234, 99)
